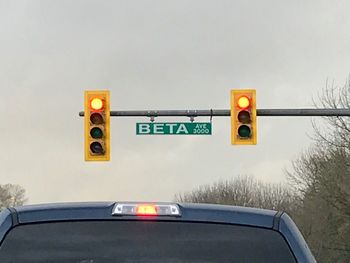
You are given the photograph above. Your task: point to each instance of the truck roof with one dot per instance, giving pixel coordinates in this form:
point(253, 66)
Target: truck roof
point(103, 210)
point(205, 213)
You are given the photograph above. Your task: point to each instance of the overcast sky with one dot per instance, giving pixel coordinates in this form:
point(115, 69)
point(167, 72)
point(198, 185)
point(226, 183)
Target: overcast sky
point(158, 55)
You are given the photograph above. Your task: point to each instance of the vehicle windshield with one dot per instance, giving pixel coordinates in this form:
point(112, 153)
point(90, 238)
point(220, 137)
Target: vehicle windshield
point(142, 241)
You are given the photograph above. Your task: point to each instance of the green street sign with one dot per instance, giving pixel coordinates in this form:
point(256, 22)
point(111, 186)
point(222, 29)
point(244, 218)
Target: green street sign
point(172, 128)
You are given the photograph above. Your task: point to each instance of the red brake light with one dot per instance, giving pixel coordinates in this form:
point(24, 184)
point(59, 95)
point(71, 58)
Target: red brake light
point(146, 210)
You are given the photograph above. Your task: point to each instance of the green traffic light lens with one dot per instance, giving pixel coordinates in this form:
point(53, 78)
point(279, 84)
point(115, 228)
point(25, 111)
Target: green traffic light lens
point(244, 131)
point(96, 118)
point(96, 148)
point(244, 116)
point(96, 133)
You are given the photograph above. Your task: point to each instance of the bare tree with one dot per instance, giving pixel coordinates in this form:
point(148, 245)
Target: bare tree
point(11, 195)
point(336, 130)
point(321, 176)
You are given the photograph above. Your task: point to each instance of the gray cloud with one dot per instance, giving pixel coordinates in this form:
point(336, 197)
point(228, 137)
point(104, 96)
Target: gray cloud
point(158, 55)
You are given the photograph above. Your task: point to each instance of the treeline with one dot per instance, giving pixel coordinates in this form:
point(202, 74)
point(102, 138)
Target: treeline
point(243, 191)
point(317, 195)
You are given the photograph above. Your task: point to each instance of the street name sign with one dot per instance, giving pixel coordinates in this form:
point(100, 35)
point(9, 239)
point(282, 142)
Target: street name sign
point(172, 128)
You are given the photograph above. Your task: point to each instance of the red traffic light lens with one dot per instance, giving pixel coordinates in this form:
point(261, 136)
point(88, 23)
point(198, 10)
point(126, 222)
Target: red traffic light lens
point(96, 104)
point(243, 102)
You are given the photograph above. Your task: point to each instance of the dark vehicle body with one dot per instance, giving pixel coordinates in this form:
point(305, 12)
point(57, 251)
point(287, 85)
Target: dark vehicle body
point(92, 233)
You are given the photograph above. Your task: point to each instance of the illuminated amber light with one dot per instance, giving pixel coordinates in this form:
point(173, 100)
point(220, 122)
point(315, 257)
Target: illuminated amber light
point(146, 210)
point(243, 102)
point(96, 104)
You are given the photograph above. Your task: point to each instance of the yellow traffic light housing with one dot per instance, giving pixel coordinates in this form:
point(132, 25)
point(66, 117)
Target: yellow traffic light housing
point(96, 125)
point(243, 117)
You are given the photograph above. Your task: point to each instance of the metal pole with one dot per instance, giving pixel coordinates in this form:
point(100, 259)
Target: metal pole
point(221, 113)
point(303, 112)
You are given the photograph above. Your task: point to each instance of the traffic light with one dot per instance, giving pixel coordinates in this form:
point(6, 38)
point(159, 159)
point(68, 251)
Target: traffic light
point(96, 115)
point(243, 117)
